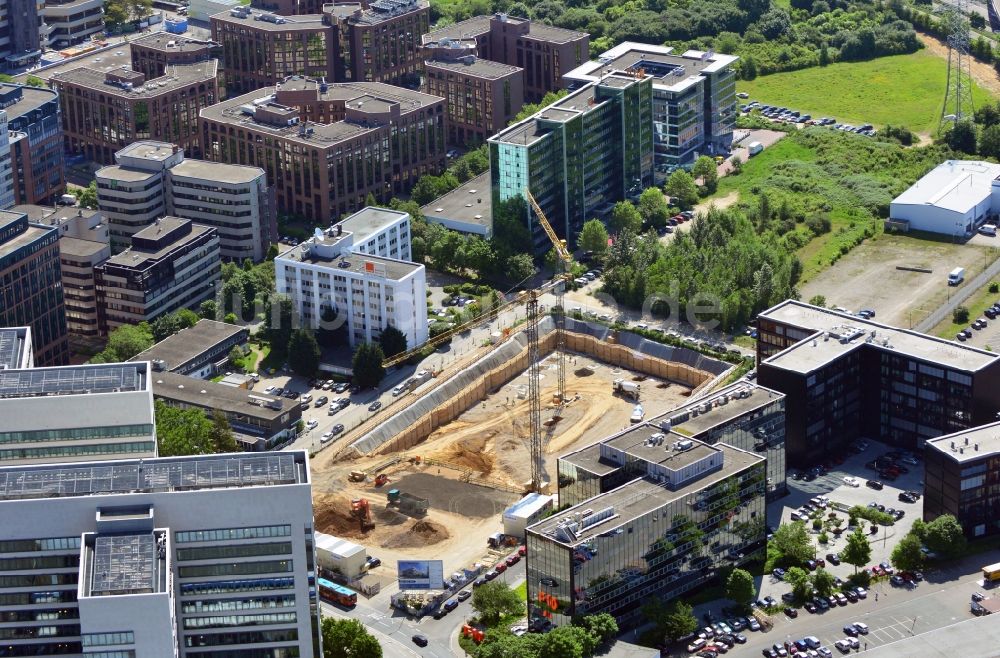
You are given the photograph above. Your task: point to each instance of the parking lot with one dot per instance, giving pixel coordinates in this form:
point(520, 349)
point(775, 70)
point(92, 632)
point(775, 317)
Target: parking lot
point(781, 114)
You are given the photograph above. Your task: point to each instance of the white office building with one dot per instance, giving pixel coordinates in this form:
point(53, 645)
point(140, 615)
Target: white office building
point(955, 198)
point(172, 557)
point(76, 413)
point(153, 179)
point(15, 348)
point(360, 269)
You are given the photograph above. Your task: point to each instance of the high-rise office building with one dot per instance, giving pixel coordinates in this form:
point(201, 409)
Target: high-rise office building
point(23, 33)
point(36, 142)
point(580, 155)
point(845, 377)
point(76, 414)
point(694, 98)
point(31, 292)
point(208, 555)
point(7, 184)
point(73, 21)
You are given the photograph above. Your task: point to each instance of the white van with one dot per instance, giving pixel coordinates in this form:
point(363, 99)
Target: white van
point(956, 276)
point(988, 229)
point(754, 148)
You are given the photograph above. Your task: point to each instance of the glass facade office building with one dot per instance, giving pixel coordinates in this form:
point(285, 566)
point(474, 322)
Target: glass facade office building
point(579, 156)
point(696, 509)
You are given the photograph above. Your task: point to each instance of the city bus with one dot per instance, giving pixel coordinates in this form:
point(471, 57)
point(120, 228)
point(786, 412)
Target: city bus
point(329, 591)
point(991, 574)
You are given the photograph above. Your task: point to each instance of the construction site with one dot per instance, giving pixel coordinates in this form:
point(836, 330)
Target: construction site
point(464, 447)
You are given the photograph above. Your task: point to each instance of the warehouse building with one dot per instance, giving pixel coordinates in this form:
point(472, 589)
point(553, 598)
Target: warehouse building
point(955, 198)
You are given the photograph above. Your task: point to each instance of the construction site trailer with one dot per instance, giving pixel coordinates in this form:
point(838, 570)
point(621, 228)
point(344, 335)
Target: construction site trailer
point(340, 555)
point(524, 512)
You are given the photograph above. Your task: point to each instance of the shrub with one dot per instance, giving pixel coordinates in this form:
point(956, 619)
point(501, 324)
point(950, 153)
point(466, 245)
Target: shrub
point(960, 315)
point(994, 286)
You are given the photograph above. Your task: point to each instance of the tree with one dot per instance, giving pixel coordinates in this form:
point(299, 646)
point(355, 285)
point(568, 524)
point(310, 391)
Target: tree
point(393, 341)
point(209, 310)
point(230, 318)
point(519, 268)
point(672, 621)
point(740, 587)
point(625, 216)
point(124, 342)
point(960, 315)
point(989, 142)
point(823, 582)
point(183, 431)
point(367, 365)
point(977, 21)
point(236, 356)
point(348, 638)
point(793, 543)
point(858, 551)
point(818, 300)
point(798, 578)
point(562, 642)
point(906, 556)
point(962, 137)
point(602, 626)
point(164, 327)
point(653, 208)
point(944, 535)
point(87, 197)
point(593, 237)
point(494, 600)
point(681, 188)
point(222, 433)
point(272, 253)
point(303, 352)
point(279, 324)
point(706, 169)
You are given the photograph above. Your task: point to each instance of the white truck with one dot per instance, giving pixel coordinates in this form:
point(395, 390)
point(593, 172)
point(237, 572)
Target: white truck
point(956, 276)
point(626, 388)
point(753, 148)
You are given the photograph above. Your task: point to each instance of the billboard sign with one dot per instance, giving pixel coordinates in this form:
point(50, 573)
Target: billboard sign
point(420, 574)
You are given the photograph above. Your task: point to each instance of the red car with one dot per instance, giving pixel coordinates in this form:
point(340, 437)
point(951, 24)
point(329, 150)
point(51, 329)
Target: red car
point(877, 570)
point(522, 551)
point(501, 567)
point(513, 559)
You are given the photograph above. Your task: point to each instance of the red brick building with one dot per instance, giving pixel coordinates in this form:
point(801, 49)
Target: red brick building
point(36, 143)
point(327, 146)
point(105, 111)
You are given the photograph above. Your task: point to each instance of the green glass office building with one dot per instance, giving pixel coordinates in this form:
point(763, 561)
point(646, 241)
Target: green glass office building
point(579, 156)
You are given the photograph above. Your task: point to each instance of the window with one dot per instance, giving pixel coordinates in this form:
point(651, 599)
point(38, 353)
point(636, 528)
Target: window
point(258, 532)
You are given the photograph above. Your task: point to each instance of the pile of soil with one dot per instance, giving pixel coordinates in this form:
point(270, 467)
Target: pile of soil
point(420, 533)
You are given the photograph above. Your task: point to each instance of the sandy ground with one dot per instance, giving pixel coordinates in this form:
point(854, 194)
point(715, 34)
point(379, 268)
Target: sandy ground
point(867, 277)
point(488, 442)
point(982, 73)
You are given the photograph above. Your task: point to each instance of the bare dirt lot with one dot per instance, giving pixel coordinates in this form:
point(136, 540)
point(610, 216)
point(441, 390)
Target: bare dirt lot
point(488, 443)
point(868, 277)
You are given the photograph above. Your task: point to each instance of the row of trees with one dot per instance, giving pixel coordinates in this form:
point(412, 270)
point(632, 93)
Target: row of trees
point(191, 432)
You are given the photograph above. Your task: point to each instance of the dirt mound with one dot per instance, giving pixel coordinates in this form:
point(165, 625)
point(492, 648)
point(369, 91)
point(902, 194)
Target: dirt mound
point(471, 453)
point(420, 533)
point(333, 516)
point(584, 372)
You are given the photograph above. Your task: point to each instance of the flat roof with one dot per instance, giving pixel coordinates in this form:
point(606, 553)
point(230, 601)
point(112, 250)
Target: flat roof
point(123, 564)
point(381, 11)
point(642, 496)
point(337, 546)
point(467, 29)
point(323, 135)
point(174, 77)
point(553, 34)
point(13, 342)
point(216, 171)
point(969, 637)
point(129, 476)
point(190, 343)
point(472, 65)
point(352, 262)
point(127, 174)
point(527, 506)
point(955, 185)
point(147, 150)
point(740, 398)
point(589, 459)
point(87, 379)
point(83, 248)
point(33, 233)
point(105, 59)
point(32, 98)
point(668, 69)
point(287, 24)
point(370, 220)
point(138, 258)
point(831, 327)
point(634, 441)
point(471, 202)
point(184, 389)
point(161, 41)
point(969, 445)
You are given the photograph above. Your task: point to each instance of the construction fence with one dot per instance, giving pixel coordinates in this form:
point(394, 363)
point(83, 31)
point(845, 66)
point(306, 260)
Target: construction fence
point(472, 384)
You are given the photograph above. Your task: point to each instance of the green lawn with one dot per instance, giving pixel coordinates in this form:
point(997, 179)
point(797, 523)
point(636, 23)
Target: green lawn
point(976, 304)
point(522, 590)
point(903, 90)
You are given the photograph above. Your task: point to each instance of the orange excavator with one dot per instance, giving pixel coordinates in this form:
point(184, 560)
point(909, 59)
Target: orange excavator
point(361, 510)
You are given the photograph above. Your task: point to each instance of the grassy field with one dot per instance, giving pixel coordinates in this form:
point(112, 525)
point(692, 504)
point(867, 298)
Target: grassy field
point(903, 90)
point(976, 304)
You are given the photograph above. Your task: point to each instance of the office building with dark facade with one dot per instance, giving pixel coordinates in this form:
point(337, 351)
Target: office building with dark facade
point(327, 146)
point(578, 156)
point(350, 42)
point(694, 98)
point(105, 111)
point(23, 33)
point(686, 509)
point(482, 96)
point(962, 478)
point(543, 52)
point(172, 264)
point(845, 377)
point(31, 291)
point(152, 53)
point(36, 142)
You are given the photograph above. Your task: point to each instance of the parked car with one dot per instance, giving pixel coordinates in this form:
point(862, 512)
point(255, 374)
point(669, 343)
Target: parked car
point(464, 594)
point(375, 406)
point(874, 484)
point(833, 558)
point(419, 640)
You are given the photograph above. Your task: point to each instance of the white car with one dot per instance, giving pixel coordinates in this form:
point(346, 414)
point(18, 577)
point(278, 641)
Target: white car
point(861, 627)
point(312, 424)
point(270, 389)
point(843, 645)
point(852, 642)
point(851, 481)
point(861, 592)
point(326, 437)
